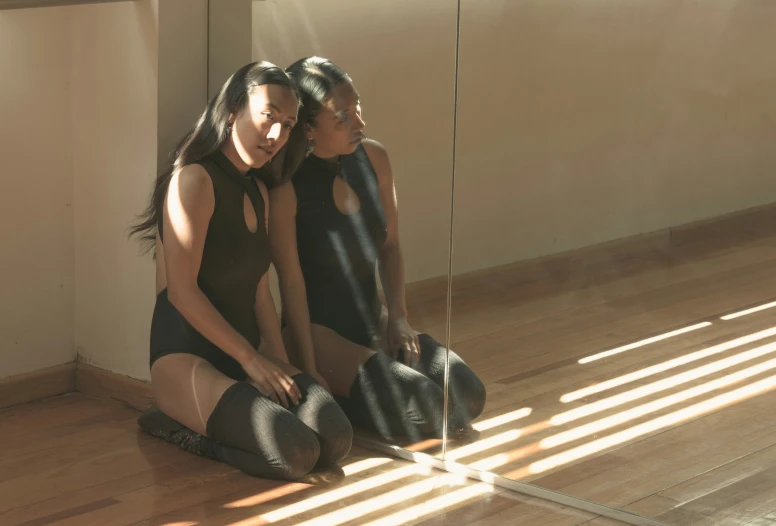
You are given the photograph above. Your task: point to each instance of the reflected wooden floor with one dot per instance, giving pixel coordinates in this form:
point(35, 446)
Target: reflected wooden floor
point(74, 460)
point(679, 427)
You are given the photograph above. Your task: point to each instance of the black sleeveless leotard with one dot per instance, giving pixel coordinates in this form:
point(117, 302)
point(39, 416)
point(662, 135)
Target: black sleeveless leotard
point(338, 252)
point(233, 261)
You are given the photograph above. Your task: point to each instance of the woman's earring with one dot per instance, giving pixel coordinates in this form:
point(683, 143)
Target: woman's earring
point(310, 147)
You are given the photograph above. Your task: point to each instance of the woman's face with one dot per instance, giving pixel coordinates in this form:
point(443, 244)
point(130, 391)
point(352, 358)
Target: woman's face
point(338, 127)
point(262, 127)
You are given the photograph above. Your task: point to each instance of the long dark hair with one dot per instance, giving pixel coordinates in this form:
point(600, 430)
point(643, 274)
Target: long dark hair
point(315, 78)
point(209, 134)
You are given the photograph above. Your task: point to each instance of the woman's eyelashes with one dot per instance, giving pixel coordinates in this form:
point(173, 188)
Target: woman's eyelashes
point(271, 117)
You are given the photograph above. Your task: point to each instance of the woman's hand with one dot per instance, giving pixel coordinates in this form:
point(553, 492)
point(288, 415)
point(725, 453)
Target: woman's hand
point(400, 336)
point(271, 380)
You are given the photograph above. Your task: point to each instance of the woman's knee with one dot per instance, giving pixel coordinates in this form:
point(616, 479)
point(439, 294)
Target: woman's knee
point(282, 446)
point(399, 400)
point(295, 456)
point(466, 389)
point(323, 415)
point(299, 448)
point(467, 393)
point(335, 434)
point(428, 406)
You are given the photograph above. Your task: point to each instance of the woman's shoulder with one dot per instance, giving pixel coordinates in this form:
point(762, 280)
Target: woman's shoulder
point(374, 148)
point(378, 157)
point(193, 175)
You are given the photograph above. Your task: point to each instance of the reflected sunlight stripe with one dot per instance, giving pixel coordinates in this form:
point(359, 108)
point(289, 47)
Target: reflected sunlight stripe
point(515, 454)
point(487, 464)
point(385, 500)
point(496, 421)
point(363, 465)
point(661, 385)
point(482, 445)
point(699, 409)
point(748, 311)
point(642, 343)
point(424, 444)
point(433, 505)
point(632, 414)
point(670, 364)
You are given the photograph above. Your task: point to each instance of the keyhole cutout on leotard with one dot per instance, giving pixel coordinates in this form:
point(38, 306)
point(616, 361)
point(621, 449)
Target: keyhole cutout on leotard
point(251, 222)
point(345, 199)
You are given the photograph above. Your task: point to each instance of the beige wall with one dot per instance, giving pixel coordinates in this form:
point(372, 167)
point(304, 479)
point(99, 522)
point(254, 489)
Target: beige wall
point(582, 122)
point(579, 123)
point(229, 40)
point(182, 78)
point(142, 85)
point(36, 202)
point(106, 90)
point(116, 51)
point(405, 74)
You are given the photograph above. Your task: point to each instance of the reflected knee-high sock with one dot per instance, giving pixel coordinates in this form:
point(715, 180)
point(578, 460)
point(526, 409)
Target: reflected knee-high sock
point(467, 392)
point(394, 400)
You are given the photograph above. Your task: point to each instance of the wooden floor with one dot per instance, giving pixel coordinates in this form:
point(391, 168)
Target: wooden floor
point(75, 460)
point(682, 429)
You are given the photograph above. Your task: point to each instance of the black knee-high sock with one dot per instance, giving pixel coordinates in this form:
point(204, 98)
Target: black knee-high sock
point(467, 392)
point(320, 412)
point(246, 430)
point(394, 400)
point(156, 423)
point(281, 446)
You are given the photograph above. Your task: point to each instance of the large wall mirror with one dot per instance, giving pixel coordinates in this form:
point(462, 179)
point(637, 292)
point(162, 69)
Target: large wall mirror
point(613, 252)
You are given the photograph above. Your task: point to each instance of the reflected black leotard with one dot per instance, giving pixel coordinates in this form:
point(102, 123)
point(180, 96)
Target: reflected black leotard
point(338, 255)
point(338, 252)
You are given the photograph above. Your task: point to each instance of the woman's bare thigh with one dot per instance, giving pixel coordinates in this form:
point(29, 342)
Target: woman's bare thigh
point(187, 388)
point(337, 359)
